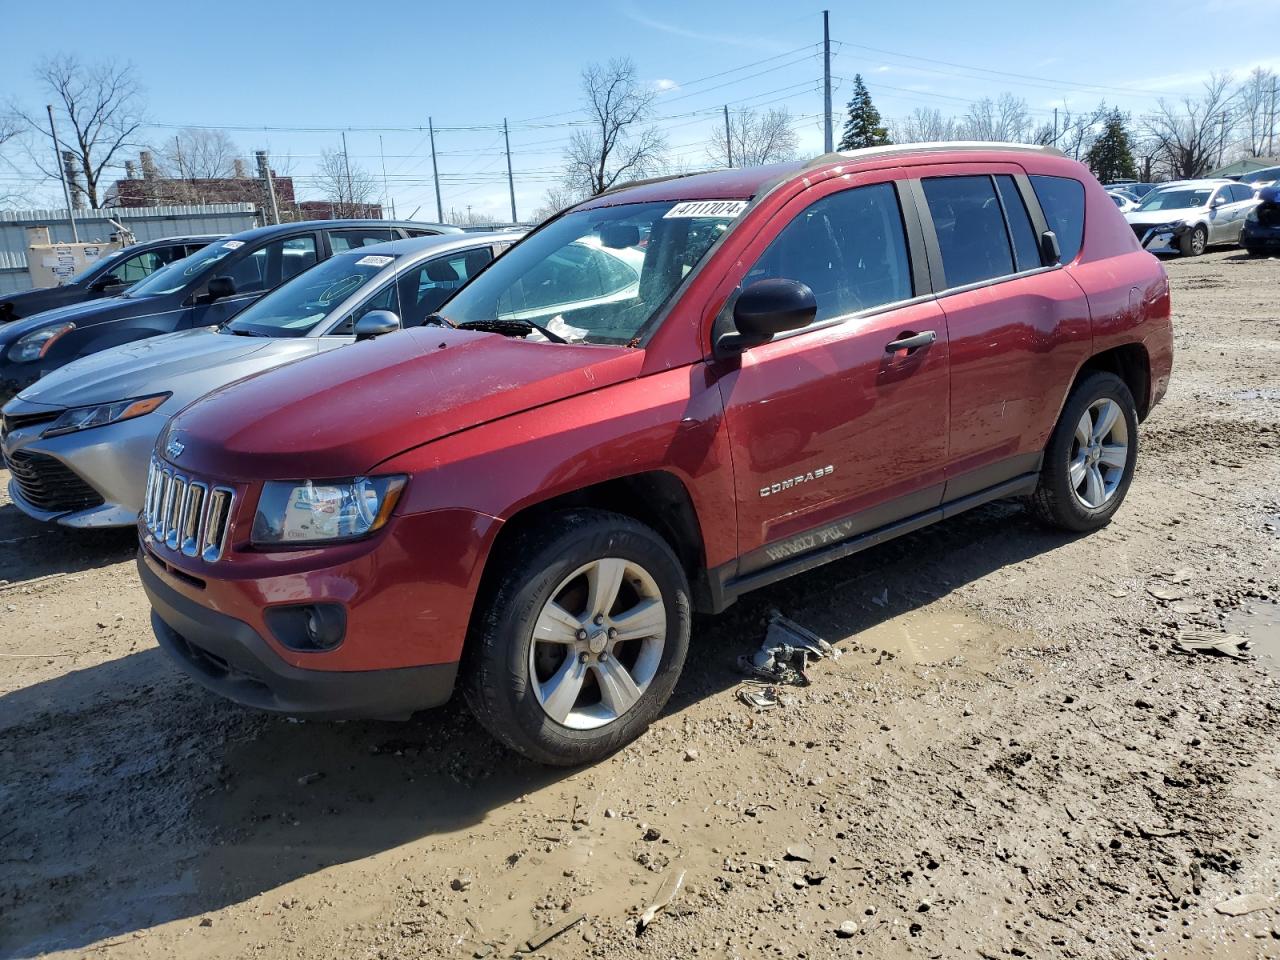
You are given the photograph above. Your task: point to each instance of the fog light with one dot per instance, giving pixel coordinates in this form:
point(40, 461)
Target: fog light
point(312, 626)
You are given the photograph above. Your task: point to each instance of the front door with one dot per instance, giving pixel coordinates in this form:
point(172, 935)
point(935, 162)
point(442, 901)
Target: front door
point(836, 429)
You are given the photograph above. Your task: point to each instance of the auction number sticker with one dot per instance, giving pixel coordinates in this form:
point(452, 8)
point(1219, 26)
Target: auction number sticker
point(706, 208)
point(374, 260)
point(233, 245)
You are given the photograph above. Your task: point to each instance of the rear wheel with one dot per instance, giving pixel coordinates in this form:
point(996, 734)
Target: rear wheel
point(582, 640)
point(1195, 242)
point(1091, 456)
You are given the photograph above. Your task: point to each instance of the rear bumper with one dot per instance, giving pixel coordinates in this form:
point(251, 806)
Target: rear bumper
point(230, 658)
point(1255, 237)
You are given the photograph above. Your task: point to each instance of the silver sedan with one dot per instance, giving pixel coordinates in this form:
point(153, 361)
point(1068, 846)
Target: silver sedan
point(78, 441)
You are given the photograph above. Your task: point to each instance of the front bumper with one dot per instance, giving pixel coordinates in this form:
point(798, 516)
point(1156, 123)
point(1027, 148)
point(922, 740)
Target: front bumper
point(1258, 237)
point(112, 460)
point(229, 657)
point(1162, 240)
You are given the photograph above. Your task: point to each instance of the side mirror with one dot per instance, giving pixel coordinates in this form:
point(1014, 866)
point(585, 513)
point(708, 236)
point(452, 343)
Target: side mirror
point(220, 288)
point(376, 323)
point(765, 309)
point(1050, 249)
point(1218, 201)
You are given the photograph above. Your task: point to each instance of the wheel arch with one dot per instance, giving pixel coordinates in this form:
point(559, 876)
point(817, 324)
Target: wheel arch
point(657, 498)
point(1128, 361)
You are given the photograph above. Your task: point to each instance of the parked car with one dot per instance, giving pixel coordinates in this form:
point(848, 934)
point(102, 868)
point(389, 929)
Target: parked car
point(1261, 178)
point(1135, 187)
point(207, 288)
point(78, 441)
point(1186, 216)
point(1261, 233)
point(817, 357)
point(105, 278)
point(1124, 201)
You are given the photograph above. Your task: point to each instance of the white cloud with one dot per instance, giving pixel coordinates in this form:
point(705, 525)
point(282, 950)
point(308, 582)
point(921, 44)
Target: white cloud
point(663, 85)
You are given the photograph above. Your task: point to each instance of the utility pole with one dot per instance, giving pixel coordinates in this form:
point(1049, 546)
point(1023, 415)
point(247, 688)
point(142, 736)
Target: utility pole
point(1271, 127)
point(66, 190)
point(346, 163)
point(264, 171)
point(1055, 126)
point(435, 171)
point(826, 82)
point(385, 196)
point(728, 137)
point(511, 184)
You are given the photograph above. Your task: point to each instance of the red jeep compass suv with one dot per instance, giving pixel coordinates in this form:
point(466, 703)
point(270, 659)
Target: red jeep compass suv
point(667, 396)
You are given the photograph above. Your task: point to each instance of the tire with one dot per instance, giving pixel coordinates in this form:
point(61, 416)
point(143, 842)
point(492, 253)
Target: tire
point(1194, 242)
point(1067, 496)
point(506, 674)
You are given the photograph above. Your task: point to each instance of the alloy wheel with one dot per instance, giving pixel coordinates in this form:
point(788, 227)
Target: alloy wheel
point(597, 643)
point(1099, 453)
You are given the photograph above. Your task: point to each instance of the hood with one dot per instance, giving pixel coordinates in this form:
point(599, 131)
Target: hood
point(81, 313)
point(188, 363)
point(345, 411)
point(1153, 217)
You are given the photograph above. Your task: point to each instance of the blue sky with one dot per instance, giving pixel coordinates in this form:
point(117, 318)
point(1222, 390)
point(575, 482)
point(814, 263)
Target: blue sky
point(326, 64)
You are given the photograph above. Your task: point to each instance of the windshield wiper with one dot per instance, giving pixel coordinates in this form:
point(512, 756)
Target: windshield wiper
point(511, 328)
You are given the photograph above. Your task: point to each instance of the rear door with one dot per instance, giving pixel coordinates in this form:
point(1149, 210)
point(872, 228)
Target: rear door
point(834, 430)
point(1017, 328)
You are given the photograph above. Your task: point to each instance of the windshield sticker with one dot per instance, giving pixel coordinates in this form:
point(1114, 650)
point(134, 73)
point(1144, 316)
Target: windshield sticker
point(373, 260)
point(233, 245)
point(706, 208)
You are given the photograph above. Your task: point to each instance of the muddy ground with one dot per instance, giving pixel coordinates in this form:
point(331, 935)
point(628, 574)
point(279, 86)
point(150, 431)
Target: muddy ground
point(1008, 760)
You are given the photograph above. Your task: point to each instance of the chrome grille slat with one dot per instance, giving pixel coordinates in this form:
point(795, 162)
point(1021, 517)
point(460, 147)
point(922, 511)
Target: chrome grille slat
point(187, 515)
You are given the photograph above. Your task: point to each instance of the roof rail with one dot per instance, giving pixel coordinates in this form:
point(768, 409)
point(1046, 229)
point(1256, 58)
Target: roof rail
point(647, 180)
point(931, 147)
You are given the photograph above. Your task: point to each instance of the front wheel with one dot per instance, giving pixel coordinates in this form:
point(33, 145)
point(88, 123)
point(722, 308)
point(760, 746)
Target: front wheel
point(1090, 459)
point(1195, 242)
point(581, 639)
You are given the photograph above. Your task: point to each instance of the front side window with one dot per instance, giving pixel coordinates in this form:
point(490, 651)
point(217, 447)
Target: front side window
point(181, 273)
point(849, 248)
point(138, 267)
point(970, 227)
point(307, 301)
point(426, 288)
point(1062, 200)
point(594, 276)
point(273, 263)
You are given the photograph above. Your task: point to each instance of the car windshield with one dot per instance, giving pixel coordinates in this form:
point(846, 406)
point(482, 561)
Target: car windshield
point(1172, 199)
point(594, 276)
point(302, 304)
point(176, 275)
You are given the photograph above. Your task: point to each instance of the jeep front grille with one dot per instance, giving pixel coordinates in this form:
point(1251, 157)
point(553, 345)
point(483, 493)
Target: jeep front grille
point(186, 515)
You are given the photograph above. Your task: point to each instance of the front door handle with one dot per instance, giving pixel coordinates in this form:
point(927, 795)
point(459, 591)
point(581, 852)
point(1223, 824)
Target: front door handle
point(911, 342)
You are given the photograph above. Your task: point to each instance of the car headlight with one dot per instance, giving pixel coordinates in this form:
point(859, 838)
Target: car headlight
point(99, 415)
point(1252, 215)
point(319, 511)
point(36, 344)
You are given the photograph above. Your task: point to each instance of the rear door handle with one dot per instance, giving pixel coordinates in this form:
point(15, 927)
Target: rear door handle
point(911, 342)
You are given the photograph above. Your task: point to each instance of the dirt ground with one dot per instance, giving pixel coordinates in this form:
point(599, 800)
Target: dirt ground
point(1009, 759)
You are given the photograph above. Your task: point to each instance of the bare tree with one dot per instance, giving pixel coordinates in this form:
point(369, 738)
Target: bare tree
point(555, 200)
point(753, 138)
point(1075, 131)
point(611, 149)
point(9, 127)
point(1191, 134)
point(99, 110)
point(348, 188)
point(196, 153)
point(924, 125)
point(1005, 119)
point(1255, 107)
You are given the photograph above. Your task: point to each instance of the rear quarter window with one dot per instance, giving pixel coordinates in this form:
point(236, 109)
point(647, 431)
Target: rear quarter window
point(1062, 200)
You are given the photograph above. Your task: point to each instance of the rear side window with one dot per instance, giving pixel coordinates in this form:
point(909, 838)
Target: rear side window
point(1240, 192)
point(850, 248)
point(969, 222)
point(1062, 200)
point(343, 240)
point(1025, 249)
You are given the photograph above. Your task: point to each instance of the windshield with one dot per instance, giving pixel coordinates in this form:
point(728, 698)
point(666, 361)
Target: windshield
point(1268, 173)
point(302, 304)
point(175, 276)
point(594, 276)
point(98, 266)
point(1172, 199)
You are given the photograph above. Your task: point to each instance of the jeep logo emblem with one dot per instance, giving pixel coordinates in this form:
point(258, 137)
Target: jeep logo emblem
point(173, 449)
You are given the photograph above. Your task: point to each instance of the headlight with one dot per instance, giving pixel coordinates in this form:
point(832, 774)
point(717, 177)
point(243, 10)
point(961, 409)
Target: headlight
point(36, 344)
point(1252, 215)
point(317, 511)
point(99, 415)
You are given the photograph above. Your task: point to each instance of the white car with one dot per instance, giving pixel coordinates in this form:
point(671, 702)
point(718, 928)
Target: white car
point(1124, 201)
point(1186, 216)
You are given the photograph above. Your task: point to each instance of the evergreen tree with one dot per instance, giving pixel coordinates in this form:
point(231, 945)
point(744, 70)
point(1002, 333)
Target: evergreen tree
point(1110, 157)
point(863, 128)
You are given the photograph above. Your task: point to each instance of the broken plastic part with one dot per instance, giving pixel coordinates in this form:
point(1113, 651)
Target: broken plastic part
point(785, 653)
